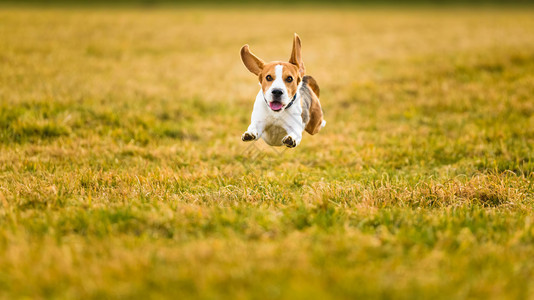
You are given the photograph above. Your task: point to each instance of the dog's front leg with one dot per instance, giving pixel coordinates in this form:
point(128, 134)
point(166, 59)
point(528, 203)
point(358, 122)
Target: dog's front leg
point(257, 122)
point(294, 128)
point(292, 140)
point(253, 132)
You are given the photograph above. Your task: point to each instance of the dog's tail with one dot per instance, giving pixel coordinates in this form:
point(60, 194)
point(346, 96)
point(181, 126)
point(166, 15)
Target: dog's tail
point(310, 81)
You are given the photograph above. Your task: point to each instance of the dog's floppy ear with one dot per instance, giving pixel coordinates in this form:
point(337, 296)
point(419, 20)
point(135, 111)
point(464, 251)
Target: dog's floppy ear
point(253, 63)
point(296, 55)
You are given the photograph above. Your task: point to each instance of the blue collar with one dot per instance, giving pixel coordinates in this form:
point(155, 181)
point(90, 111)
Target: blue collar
point(292, 101)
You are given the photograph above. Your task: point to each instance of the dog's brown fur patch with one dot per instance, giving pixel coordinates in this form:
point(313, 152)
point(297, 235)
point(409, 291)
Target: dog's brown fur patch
point(312, 114)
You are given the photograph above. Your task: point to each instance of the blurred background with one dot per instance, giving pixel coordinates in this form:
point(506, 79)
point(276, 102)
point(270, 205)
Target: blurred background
point(276, 2)
point(122, 172)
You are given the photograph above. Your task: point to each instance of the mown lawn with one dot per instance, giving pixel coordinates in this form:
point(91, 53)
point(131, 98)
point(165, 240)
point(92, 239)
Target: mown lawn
point(122, 172)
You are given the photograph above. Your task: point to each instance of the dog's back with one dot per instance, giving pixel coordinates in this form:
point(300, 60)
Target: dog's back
point(312, 114)
point(310, 81)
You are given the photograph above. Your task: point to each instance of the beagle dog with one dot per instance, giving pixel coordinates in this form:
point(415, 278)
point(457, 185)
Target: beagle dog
point(287, 103)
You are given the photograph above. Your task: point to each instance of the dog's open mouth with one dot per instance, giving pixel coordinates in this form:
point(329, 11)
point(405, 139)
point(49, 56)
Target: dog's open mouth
point(276, 105)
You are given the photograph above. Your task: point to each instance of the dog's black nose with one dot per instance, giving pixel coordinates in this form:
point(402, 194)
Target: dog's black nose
point(277, 92)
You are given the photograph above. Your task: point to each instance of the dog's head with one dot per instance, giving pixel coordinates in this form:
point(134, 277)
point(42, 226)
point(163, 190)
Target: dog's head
point(278, 80)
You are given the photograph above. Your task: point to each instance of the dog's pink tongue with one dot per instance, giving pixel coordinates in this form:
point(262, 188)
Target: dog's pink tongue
point(275, 105)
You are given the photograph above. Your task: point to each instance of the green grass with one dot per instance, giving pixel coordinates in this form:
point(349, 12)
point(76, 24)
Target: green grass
point(122, 173)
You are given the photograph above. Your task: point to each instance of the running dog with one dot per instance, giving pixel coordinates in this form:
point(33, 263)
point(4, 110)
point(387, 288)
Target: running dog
point(287, 103)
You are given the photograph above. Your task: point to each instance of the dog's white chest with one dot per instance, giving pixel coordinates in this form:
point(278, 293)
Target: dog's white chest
point(276, 125)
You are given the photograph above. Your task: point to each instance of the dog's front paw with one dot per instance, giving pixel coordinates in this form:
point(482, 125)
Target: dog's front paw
point(289, 141)
point(248, 136)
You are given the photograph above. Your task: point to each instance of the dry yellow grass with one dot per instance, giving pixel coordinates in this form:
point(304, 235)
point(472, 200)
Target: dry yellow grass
point(122, 173)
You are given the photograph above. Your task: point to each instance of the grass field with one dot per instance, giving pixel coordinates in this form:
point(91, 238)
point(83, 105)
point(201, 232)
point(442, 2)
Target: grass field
point(122, 172)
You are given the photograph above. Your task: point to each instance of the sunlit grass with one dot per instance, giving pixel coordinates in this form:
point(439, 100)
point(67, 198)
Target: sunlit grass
point(122, 173)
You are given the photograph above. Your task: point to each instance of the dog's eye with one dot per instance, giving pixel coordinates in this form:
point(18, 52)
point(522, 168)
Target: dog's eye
point(269, 78)
point(289, 79)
